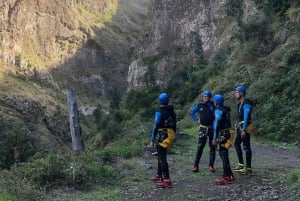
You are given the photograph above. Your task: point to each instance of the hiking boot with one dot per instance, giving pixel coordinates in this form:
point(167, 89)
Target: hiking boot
point(211, 169)
point(239, 167)
point(245, 171)
point(223, 180)
point(156, 179)
point(195, 169)
point(165, 183)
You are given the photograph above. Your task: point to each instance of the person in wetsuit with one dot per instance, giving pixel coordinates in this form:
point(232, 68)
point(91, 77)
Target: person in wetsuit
point(205, 118)
point(163, 134)
point(243, 130)
point(223, 138)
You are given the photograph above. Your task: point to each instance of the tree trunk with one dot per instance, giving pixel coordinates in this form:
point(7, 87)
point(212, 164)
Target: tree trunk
point(77, 141)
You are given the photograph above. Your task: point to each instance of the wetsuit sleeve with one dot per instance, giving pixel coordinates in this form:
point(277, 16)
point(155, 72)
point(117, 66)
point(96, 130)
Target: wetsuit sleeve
point(154, 129)
point(247, 109)
point(211, 107)
point(218, 117)
point(193, 111)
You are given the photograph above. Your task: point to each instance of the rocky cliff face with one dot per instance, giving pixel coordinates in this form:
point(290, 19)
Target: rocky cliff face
point(47, 47)
point(89, 39)
point(43, 30)
point(181, 33)
point(98, 47)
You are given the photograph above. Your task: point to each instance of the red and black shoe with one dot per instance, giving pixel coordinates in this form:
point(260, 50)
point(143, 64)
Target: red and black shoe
point(211, 169)
point(156, 179)
point(195, 169)
point(165, 183)
point(224, 180)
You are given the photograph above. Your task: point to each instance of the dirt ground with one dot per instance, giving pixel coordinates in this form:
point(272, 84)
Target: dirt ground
point(269, 165)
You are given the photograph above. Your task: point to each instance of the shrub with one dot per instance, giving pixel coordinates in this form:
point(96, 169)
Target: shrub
point(137, 99)
point(278, 113)
point(293, 179)
point(13, 138)
point(273, 7)
point(30, 181)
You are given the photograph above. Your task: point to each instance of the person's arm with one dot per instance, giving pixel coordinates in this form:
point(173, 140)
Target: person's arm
point(247, 109)
point(193, 111)
point(218, 116)
point(154, 128)
point(212, 107)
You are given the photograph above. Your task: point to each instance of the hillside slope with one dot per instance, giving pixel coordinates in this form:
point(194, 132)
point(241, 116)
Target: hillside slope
point(49, 47)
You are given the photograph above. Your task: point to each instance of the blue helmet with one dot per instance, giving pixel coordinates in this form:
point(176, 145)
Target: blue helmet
point(163, 98)
point(241, 89)
point(207, 93)
point(219, 99)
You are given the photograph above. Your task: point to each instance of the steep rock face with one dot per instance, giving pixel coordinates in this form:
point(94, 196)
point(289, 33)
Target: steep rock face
point(35, 36)
point(181, 33)
point(39, 29)
point(85, 42)
point(47, 131)
point(55, 45)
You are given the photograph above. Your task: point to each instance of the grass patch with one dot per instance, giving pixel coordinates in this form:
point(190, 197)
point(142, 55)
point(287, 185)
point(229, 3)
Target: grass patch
point(102, 193)
point(6, 197)
point(283, 145)
point(293, 181)
point(191, 131)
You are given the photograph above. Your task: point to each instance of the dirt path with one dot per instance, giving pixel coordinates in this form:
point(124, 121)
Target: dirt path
point(266, 184)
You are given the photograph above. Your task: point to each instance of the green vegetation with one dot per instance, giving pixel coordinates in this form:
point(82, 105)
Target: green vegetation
point(293, 178)
point(5, 197)
point(13, 139)
point(270, 7)
point(29, 181)
point(266, 62)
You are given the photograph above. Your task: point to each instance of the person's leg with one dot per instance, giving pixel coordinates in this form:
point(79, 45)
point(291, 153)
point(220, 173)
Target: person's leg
point(227, 174)
point(212, 152)
point(163, 162)
point(159, 156)
point(201, 144)
point(248, 151)
point(165, 182)
point(227, 169)
point(222, 156)
point(239, 152)
point(158, 177)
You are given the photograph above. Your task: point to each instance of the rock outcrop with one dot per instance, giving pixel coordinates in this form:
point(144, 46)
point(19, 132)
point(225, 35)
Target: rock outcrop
point(181, 33)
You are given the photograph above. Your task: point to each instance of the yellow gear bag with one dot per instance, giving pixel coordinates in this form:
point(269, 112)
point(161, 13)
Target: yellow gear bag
point(229, 141)
point(249, 127)
point(166, 143)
